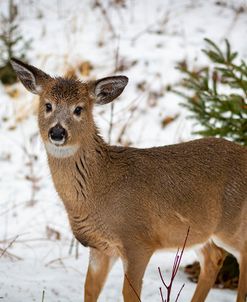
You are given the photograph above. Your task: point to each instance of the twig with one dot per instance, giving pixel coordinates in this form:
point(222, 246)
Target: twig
point(161, 294)
point(111, 122)
point(77, 249)
point(60, 260)
point(11, 255)
point(179, 292)
point(71, 245)
point(31, 177)
point(8, 246)
point(112, 104)
point(28, 240)
point(43, 296)
point(237, 13)
point(13, 207)
point(148, 29)
point(143, 31)
point(75, 243)
point(105, 15)
point(133, 288)
point(125, 126)
point(175, 268)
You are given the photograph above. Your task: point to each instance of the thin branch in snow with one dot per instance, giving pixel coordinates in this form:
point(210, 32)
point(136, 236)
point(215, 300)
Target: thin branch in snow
point(4, 251)
point(179, 292)
point(161, 295)
point(112, 104)
point(106, 16)
point(176, 264)
point(43, 296)
point(31, 176)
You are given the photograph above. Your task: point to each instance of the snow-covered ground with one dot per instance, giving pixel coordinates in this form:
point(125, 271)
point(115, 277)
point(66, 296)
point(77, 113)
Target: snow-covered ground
point(141, 39)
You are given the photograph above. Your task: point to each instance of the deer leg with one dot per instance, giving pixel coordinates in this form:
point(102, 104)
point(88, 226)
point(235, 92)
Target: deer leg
point(135, 264)
point(211, 261)
point(242, 284)
point(98, 269)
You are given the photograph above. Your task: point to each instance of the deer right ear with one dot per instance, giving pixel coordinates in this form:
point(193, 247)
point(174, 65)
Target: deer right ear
point(107, 89)
point(31, 77)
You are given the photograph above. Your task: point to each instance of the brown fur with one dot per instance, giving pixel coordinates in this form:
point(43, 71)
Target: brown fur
point(129, 202)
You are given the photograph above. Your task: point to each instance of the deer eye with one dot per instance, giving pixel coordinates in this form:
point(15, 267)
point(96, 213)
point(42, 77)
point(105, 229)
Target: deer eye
point(78, 110)
point(48, 107)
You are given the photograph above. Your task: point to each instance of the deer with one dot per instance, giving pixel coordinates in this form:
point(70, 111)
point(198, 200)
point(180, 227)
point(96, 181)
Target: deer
point(126, 202)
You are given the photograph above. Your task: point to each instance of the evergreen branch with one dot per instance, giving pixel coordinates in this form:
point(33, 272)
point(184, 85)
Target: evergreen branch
point(219, 114)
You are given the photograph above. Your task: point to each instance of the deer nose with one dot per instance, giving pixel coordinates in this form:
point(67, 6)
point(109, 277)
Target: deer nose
point(57, 133)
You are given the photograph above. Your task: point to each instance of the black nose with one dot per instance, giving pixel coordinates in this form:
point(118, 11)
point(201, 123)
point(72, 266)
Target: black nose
point(57, 133)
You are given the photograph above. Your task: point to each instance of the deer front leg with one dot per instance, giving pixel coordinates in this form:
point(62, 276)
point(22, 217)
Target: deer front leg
point(134, 263)
point(211, 260)
point(242, 284)
point(98, 269)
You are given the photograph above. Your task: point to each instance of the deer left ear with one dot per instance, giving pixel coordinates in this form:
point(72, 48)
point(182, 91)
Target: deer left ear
point(31, 77)
point(107, 89)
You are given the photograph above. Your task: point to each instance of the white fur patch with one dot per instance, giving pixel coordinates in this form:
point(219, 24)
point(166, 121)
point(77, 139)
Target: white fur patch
point(61, 151)
point(182, 218)
point(226, 247)
point(125, 265)
point(198, 251)
point(38, 88)
point(94, 263)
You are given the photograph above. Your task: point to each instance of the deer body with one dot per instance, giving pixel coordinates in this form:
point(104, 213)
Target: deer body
point(130, 202)
point(162, 183)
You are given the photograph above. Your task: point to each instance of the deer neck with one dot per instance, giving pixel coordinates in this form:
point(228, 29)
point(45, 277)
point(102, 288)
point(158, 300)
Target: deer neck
point(75, 177)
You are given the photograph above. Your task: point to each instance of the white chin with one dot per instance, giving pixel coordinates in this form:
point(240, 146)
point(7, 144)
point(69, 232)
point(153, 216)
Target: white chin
point(57, 150)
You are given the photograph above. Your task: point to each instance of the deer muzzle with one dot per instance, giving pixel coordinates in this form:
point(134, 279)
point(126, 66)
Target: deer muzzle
point(57, 135)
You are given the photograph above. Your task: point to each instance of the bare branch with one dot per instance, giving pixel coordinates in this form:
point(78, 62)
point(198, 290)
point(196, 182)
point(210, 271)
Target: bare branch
point(176, 264)
point(4, 251)
point(133, 288)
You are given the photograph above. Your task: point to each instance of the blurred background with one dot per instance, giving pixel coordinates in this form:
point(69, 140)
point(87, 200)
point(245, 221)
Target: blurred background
point(176, 92)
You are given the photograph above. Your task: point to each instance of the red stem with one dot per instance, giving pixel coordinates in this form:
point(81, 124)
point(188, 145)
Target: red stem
point(176, 264)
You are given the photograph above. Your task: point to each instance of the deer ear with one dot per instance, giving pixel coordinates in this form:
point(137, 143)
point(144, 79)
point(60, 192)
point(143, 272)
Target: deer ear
point(107, 89)
point(31, 77)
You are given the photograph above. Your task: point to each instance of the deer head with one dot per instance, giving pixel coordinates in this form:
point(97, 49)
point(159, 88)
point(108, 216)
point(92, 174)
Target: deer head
point(65, 109)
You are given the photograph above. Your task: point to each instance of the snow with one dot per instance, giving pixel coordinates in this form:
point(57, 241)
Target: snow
point(152, 36)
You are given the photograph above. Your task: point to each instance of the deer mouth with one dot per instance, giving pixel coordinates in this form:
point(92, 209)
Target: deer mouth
point(57, 143)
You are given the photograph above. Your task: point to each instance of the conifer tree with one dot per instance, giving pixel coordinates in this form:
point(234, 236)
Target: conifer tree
point(12, 43)
point(216, 95)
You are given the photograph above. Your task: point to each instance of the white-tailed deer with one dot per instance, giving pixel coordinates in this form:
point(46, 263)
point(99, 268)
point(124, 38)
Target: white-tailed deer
point(129, 202)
